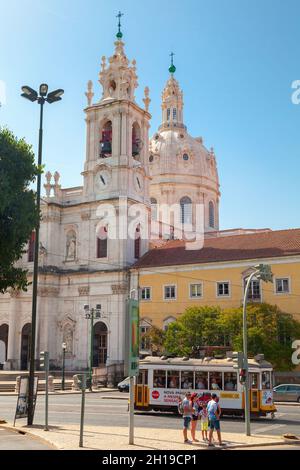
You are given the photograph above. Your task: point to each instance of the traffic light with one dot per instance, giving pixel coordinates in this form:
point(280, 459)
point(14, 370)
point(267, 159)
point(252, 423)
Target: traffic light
point(44, 360)
point(242, 376)
point(238, 360)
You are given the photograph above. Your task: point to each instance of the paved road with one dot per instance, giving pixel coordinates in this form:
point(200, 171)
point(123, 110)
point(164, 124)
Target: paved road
point(109, 408)
point(10, 440)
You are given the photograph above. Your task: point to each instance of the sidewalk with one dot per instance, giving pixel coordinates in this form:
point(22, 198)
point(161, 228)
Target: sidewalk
point(66, 437)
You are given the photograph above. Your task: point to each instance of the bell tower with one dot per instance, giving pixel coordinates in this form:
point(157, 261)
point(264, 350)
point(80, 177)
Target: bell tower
point(117, 142)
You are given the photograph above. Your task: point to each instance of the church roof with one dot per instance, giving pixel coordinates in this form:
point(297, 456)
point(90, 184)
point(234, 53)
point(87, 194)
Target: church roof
point(268, 244)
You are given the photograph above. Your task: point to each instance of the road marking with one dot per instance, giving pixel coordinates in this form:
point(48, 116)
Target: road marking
point(268, 428)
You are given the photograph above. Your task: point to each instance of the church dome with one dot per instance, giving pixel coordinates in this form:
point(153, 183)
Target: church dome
point(180, 165)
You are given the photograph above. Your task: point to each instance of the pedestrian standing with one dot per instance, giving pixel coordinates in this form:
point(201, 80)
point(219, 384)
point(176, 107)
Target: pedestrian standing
point(195, 415)
point(213, 410)
point(185, 407)
point(204, 422)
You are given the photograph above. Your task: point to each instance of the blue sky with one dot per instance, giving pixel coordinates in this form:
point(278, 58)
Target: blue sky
point(235, 59)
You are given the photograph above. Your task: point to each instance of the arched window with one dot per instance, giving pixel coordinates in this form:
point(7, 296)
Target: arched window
point(25, 345)
point(106, 140)
point(137, 242)
point(3, 342)
point(211, 210)
point(153, 203)
point(168, 114)
point(136, 139)
point(186, 210)
point(100, 344)
point(174, 114)
point(30, 251)
point(102, 243)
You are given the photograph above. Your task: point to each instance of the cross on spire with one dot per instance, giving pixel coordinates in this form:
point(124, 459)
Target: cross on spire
point(119, 33)
point(172, 68)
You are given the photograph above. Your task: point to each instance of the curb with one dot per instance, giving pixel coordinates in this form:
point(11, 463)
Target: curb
point(29, 434)
point(286, 403)
point(70, 392)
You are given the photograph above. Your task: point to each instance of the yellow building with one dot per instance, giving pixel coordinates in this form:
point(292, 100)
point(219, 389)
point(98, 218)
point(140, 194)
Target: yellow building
point(171, 278)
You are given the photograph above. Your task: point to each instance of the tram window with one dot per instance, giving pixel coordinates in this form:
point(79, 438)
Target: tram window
point(159, 378)
point(230, 381)
point(215, 380)
point(254, 380)
point(143, 377)
point(187, 380)
point(173, 378)
point(265, 381)
point(201, 380)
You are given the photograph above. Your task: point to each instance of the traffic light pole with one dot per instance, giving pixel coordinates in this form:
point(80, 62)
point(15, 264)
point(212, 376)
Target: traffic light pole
point(245, 359)
point(92, 350)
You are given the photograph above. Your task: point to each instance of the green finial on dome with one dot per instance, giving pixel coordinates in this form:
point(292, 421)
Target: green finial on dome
point(119, 34)
point(172, 68)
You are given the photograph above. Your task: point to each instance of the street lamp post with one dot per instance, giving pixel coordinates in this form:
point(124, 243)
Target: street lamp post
point(263, 272)
point(90, 314)
point(64, 347)
point(41, 98)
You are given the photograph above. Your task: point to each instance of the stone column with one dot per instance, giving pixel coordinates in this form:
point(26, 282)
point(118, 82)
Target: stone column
point(12, 338)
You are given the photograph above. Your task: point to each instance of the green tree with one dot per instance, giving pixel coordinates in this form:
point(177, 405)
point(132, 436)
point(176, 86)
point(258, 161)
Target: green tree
point(196, 327)
point(270, 332)
point(154, 338)
point(18, 214)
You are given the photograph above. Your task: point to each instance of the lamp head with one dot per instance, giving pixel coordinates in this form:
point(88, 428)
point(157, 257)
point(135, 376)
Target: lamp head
point(29, 93)
point(43, 89)
point(55, 95)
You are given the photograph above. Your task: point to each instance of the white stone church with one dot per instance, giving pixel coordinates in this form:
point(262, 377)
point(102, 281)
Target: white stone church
point(80, 263)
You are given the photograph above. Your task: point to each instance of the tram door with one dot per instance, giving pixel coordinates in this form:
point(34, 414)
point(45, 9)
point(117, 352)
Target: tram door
point(254, 391)
point(142, 389)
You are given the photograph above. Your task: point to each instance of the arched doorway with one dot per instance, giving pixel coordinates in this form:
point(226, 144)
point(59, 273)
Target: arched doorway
point(100, 344)
point(3, 342)
point(25, 345)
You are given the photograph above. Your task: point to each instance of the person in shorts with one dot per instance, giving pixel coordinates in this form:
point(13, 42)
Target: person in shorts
point(187, 410)
point(213, 411)
point(204, 422)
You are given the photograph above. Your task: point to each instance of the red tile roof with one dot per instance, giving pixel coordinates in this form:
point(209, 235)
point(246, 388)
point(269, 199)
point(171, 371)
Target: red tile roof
point(268, 244)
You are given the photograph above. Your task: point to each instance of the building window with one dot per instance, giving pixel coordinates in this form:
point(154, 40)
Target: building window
point(174, 114)
point(106, 140)
point(137, 243)
point(102, 243)
point(153, 203)
point(186, 210)
point(195, 291)
point(167, 322)
point(146, 293)
point(169, 292)
point(185, 157)
point(211, 214)
point(282, 286)
point(254, 293)
point(144, 339)
point(223, 289)
point(168, 114)
point(31, 247)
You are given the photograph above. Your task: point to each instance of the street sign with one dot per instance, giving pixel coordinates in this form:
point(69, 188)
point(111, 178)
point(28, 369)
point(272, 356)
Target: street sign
point(22, 402)
point(134, 340)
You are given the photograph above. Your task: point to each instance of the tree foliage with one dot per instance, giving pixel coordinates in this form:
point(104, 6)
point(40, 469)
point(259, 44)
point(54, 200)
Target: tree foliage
point(18, 214)
point(270, 332)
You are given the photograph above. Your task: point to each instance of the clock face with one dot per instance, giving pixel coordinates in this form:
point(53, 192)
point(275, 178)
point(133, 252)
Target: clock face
point(138, 183)
point(103, 179)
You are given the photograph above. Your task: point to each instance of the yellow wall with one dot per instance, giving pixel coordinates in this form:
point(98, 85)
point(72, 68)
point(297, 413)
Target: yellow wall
point(157, 309)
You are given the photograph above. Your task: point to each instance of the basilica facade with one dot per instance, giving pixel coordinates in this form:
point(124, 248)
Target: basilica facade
point(84, 262)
